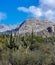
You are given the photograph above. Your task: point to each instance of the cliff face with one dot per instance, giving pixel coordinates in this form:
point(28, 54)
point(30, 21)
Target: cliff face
point(50, 31)
point(39, 27)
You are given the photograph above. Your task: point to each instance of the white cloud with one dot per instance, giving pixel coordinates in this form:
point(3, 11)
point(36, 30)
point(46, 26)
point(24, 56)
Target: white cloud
point(48, 6)
point(22, 9)
point(50, 15)
point(36, 12)
point(2, 16)
point(47, 3)
point(45, 10)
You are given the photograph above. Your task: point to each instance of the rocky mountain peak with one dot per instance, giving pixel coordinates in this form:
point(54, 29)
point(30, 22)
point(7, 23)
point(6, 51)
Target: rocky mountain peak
point(36, 25)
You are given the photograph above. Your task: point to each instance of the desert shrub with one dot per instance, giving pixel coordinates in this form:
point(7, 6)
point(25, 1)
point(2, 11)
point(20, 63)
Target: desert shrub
point(27, 50)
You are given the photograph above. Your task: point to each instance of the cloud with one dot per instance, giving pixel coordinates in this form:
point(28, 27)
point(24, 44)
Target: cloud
point(36, 12)
point(47, 3)
point(2, 16)
point(50, 15)
point(45, 10)
point(23, 9)
point(48, 6)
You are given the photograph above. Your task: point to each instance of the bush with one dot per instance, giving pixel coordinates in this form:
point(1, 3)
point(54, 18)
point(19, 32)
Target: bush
point(27, 50)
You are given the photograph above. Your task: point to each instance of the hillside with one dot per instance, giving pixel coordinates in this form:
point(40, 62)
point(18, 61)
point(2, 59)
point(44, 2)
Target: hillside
point(39, 27)
point(28, 49)
point(6, 29)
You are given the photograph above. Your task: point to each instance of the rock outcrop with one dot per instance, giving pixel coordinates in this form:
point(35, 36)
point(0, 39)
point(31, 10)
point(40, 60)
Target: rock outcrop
point(43, 28)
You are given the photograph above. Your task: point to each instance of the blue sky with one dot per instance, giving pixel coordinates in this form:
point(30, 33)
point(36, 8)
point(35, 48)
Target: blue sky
point(9, 7)
point(16, 11)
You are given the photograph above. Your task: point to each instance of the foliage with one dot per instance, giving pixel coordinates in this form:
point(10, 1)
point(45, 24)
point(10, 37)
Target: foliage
point(27, 49)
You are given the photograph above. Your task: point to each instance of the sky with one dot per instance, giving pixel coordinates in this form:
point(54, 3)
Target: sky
point(16, 11)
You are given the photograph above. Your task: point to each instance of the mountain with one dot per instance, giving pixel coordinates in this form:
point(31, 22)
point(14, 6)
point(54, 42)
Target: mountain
point(41, 28)
point(6, 29)
point(44, 27)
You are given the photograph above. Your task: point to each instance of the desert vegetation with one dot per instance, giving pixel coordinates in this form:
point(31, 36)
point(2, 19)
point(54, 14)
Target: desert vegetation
point(28, 49)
